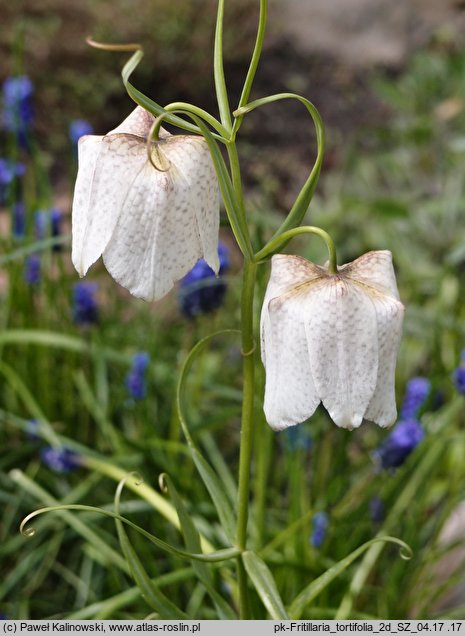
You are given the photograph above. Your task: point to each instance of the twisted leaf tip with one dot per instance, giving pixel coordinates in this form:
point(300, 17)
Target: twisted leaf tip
point(28, 532)
point(163, 483)
point(105, 46)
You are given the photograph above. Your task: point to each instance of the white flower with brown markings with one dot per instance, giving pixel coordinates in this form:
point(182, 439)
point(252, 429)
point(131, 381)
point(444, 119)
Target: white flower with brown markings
point(331, 338)
point(150, 226)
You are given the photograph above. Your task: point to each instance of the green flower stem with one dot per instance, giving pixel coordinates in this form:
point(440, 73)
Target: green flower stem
point(220, 84)
point(248, 348)
point(239, 198)
point(253, 62)
point(274, 244)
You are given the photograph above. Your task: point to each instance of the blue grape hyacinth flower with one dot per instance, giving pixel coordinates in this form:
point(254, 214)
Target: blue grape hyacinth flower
point(136, 378)
point(18, 110)
point(376, 509)
point(19, 220)
point(200, 291)
point(85, 307)
point(459, 375)
point(403, 439)
point(416, 392)
point(48, 225)
point(32, 269)
point(60, 460)
point(9, 171)
point(79, 128)
point(320, 523)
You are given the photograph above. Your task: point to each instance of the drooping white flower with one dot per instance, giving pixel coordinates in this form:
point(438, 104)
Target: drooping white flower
point(331, 338)
point(151, 227)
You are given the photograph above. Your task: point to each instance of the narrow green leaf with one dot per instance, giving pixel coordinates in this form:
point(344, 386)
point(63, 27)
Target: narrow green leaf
point(265, 585)
point(110, 555)
point(218, 69)
point(143, 100)
point(60, 341)
point(94, 406)
point(309, 593)
point(300, 207)
point(212, 557)
point(209, 477)
point(106, 608)
point(154, 597)
point(192, 541)
point(220, 465)
point(21, 390)
point(255, 56)
point(33, 248)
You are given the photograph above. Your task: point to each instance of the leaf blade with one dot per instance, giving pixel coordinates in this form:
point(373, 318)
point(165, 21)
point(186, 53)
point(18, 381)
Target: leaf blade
point(265, 585)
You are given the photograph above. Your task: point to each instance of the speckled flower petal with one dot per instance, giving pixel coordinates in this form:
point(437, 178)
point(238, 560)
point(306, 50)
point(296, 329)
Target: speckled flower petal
point(389, 315)
point(287, 272)
point(374, 269)
point(89, 150)
point(290, 395)
point(138, 123)
point(343, 347)
point(170, 221)
point(120, 161)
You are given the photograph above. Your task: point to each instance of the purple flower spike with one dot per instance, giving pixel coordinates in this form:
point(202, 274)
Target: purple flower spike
point(135, 379)
point(9, 171)
point(415, 395)
point(32, 270)
point(60, 460)
point(18, 111)
point(19, 220)
point(376, 510)
point(459, 375)
point(85, 308)
point(320, 524)
point(200, 291)
point(403, 439)
point(48, 224)
point(459, 379)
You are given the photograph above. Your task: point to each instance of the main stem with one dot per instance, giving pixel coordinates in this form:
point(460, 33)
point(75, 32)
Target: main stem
point(248, 366)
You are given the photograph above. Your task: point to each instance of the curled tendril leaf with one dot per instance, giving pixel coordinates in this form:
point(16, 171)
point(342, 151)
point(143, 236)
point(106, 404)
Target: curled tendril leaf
point(138, 481)
point(27, 532)
point(213, 557)
point(105, 46)
point(163, 483)
point(405, 552)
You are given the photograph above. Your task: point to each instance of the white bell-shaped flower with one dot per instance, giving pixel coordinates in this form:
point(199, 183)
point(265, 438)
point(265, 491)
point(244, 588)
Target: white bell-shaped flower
point(150, 226)
point(331, 338)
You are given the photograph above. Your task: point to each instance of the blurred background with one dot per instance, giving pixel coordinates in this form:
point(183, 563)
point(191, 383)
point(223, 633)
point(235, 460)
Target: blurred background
point(88, 374)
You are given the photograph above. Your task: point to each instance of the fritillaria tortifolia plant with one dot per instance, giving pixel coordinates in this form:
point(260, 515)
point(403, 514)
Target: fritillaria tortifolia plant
point(148, 203)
